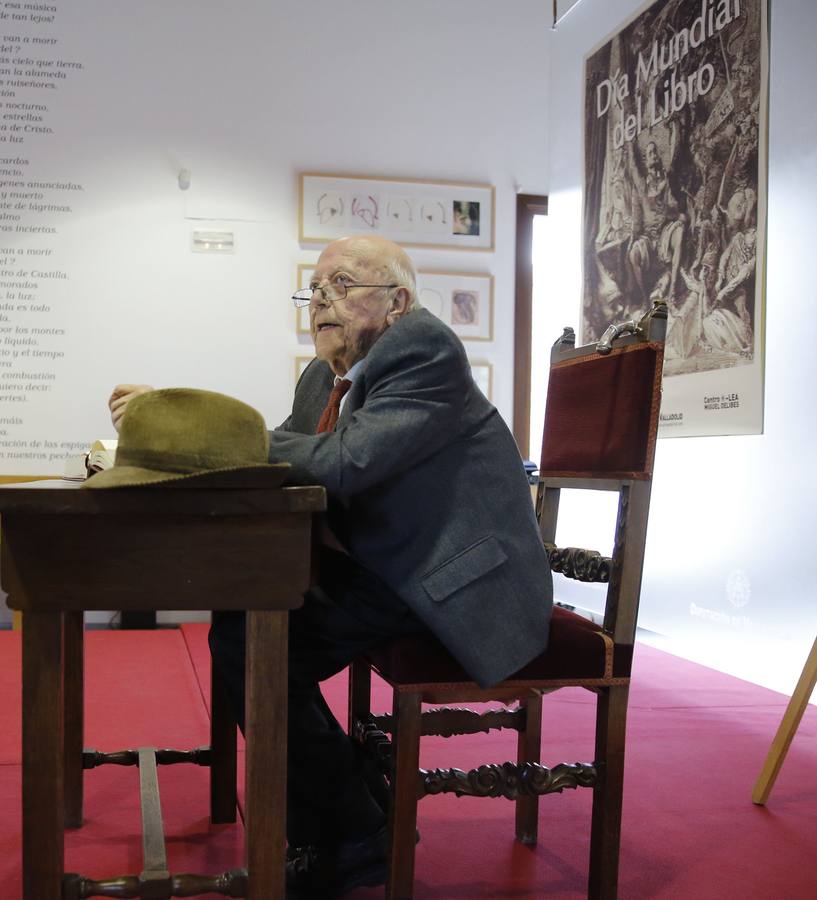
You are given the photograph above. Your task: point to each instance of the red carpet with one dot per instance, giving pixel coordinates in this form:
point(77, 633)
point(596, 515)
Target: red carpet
point(696, 742)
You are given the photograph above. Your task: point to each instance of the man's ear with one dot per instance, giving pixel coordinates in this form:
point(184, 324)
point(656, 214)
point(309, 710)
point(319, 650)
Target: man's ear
point(399, 305)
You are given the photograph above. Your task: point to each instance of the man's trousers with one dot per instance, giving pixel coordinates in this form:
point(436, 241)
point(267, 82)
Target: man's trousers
point(331, 794)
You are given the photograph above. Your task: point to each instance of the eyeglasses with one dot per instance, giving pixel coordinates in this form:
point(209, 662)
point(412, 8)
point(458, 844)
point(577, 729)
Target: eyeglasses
point(332, 292)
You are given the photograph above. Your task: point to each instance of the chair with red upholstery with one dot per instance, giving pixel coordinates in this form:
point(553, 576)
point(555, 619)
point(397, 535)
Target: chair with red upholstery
point(600, 430)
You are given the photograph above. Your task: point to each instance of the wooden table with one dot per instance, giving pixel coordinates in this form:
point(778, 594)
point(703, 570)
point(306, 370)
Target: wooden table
point(65, 551)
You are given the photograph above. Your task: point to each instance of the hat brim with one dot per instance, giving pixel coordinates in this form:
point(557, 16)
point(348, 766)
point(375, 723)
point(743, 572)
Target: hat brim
point(261, 476)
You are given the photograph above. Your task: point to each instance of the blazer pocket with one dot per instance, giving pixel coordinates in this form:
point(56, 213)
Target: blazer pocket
point(467, 566)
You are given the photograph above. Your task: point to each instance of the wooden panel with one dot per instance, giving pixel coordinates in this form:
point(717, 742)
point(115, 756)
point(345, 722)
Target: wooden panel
point(68, 498)
point(116, 562)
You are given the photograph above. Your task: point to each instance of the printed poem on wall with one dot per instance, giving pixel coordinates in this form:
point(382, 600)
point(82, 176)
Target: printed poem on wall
point(36, 206)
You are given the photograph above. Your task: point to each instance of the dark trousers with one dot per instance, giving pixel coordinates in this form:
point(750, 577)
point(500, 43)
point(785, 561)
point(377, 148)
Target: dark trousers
point(331, 795)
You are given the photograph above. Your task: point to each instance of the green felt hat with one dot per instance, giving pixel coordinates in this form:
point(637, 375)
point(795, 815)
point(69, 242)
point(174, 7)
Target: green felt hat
point(190, 438)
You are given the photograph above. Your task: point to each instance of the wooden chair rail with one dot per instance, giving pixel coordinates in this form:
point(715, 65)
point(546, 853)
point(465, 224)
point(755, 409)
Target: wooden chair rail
point(155, 881)
point(227, 884)
point(579, 564)
point(200, 756)
point(509, 780)
point(454, 720)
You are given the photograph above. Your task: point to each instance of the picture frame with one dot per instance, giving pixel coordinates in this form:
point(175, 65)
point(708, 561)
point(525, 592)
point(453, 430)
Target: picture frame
point(463, 300)
point(414, 213)
point(483, 374)
point(302, 279)
point(301, 362)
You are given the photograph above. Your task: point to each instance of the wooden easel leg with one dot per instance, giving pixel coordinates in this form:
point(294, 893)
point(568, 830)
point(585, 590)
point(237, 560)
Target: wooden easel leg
point(43, 797)
point(74, 650)
point(788, 726)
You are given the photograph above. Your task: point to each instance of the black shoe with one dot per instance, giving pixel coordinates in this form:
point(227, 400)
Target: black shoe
point(315, 873)
point(305, 877)
point(362, 863)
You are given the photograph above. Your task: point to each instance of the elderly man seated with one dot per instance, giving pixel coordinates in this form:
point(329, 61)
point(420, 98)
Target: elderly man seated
point(430, 529)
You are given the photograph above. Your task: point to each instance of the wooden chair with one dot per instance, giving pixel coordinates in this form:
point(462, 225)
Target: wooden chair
point(600, 432)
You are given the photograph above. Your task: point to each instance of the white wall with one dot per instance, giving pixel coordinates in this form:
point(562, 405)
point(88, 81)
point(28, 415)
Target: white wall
point(246, 95)
point(735, 509)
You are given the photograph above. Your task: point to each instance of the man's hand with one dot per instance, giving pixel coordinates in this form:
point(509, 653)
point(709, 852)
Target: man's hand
point(120, 397)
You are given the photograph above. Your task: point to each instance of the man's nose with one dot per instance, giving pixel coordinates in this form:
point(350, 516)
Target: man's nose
point(318, 298)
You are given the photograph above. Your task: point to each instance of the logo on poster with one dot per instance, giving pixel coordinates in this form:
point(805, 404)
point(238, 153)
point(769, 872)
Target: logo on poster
point(738, 588)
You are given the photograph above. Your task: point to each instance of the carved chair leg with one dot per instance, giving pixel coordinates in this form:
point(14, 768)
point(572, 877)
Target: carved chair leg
point(529, 751)
point(403, 813)
point(611, 726)
point(223, 755)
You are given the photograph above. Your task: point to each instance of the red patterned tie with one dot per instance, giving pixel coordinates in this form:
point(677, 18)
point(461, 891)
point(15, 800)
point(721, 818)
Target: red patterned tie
point(329, 417)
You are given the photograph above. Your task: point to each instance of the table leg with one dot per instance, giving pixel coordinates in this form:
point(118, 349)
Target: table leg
point(223, 754)
point(43, 798)
point(266, 718)
point(73, 684)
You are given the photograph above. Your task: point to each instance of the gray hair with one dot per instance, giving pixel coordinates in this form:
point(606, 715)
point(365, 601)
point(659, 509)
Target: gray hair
point(401, 271)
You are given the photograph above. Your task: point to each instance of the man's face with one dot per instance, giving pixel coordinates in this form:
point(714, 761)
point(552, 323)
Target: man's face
point(345, 330)
point(736, 209)
point(652, 158)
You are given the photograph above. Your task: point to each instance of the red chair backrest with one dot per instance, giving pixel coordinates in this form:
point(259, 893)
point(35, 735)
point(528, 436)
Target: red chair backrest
point(601, 417)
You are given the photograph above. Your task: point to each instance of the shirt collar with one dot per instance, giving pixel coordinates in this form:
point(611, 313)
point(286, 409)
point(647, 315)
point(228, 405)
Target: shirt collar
point(352, 373)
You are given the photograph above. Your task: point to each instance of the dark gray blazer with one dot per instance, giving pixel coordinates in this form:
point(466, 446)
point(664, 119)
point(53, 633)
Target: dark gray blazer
point(427, 490)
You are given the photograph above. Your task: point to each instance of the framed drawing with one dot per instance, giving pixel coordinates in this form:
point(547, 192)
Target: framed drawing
point(414, 213)
point(463, 300)
point(305, 271)
point(483, 374)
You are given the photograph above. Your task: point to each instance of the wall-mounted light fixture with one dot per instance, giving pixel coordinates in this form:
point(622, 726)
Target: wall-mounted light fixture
point(213, 242)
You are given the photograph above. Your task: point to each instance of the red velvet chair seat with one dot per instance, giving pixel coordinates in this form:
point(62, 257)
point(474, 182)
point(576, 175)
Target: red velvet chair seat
point(578, 651)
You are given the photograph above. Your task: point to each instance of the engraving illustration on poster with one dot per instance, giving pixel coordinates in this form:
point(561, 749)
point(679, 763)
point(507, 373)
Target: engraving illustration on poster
point(675, 200)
